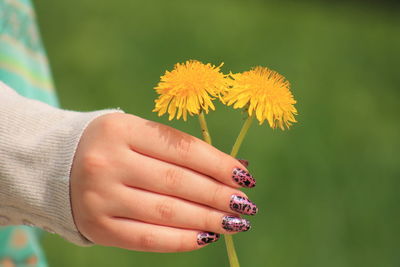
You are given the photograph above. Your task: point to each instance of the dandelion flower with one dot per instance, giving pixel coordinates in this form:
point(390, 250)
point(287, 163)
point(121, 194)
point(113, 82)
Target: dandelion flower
point(265, 93)
point(189, 88)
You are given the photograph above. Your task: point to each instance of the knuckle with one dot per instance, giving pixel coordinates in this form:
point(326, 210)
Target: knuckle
point(165, 210)
point(147, 241)
point(93, 163)
point(173, 178)
point(112, 123)
point(184, 148)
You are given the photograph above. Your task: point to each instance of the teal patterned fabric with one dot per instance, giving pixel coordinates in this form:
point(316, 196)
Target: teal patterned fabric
point(20, 246)
point(24, 67)
point(23, 61)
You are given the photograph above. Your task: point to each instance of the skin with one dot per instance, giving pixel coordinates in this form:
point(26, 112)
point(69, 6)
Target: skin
point(141, 185)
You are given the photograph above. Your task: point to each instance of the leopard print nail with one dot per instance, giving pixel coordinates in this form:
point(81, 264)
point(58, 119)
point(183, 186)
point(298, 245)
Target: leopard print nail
point(235, 224)
point(207, 237)
point(243, 205)
point(243, 178)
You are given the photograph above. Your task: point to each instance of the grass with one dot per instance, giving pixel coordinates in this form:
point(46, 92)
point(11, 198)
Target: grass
point(328, 188)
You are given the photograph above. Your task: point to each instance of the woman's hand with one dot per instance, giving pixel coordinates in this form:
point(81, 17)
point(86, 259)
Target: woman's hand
point(141, 185)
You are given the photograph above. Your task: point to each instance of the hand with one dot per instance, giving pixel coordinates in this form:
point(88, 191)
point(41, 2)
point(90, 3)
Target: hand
point(141, 185)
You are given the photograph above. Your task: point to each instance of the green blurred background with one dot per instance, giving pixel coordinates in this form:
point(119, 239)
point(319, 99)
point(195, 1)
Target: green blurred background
point(328, 188)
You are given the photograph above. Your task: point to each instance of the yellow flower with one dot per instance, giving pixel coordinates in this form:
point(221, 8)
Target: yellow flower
point(189, 88)
point(265, 92)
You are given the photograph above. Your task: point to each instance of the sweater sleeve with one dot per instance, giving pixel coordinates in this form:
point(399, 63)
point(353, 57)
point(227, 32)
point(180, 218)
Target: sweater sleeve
point(37, 147)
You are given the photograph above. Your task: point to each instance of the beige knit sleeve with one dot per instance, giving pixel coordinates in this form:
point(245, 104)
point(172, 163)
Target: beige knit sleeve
point(37, 146)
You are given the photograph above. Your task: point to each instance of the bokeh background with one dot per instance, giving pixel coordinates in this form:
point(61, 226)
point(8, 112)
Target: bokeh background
point(328, 188)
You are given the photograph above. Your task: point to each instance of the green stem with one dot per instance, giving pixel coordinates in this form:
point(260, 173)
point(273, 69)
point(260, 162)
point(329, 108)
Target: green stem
point(230, 247)
point(204, 128)
point(242, 134)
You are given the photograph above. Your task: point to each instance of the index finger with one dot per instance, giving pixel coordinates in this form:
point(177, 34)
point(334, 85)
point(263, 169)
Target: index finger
point(168, 144)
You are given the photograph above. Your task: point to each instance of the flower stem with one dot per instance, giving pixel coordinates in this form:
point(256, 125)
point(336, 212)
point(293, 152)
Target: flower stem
point(242, 134)
point(233, 259)
point(230, 247)
point(204, 128)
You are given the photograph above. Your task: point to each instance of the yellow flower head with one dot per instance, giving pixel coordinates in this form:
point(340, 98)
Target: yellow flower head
point(267, 93)
point(189, 88)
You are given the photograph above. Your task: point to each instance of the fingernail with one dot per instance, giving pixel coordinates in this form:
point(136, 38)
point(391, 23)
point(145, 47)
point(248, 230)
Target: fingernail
point(243, 178)
point(235, 224)
point(207, 237)
point(243, 205)
point(244, 162)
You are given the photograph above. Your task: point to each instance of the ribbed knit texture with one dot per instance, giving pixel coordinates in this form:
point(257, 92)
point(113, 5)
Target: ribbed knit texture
point(37, 146)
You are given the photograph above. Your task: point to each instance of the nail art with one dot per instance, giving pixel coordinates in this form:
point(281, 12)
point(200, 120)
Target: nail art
point(244, 162)
point(235, 224)
point(243, 205)
point(243, 178)
point(207, 237)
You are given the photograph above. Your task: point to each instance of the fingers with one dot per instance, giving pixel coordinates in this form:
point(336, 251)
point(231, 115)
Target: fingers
point(170, 211)
point(141, 236)
point(168, 179)
point(159, 209)
point(167, 144)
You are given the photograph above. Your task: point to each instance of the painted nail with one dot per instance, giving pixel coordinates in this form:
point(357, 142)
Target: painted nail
point(243, 205)
point(244, 162)
point(235, 224)
point(207, 237)
point(243, 178)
